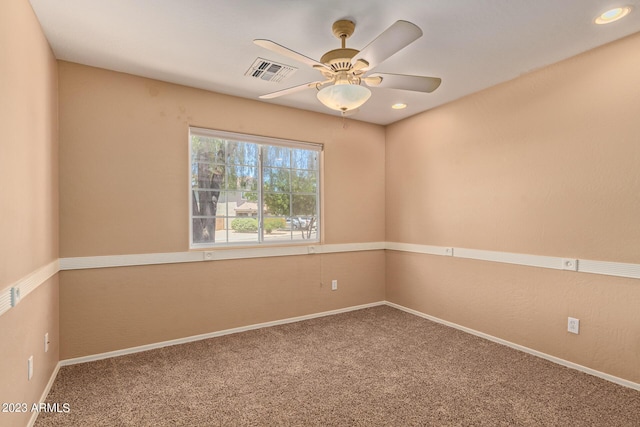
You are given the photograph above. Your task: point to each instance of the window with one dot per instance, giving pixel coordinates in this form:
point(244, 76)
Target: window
point(247, 189)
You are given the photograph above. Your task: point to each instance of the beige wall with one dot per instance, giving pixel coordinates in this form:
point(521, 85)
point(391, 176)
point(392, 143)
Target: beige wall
point(124, 179)
point(28, 202)
point(124, 161)
point(546, 164)
point(22, 331)
point(29, 149)
point(114, 308)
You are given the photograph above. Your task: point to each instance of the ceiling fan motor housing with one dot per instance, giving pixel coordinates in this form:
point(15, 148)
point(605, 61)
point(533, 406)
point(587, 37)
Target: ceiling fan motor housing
point(339, 59)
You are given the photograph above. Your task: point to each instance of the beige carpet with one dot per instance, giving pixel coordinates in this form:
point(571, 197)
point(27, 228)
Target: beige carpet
point(373, 367)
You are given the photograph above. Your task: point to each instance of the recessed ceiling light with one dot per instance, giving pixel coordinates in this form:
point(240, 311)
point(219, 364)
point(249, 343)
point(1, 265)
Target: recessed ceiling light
point(399, 106)
point(612, 15)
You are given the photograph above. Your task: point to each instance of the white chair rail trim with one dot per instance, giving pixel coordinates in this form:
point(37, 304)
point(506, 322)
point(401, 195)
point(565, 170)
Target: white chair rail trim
point(607, 268)
point(13, 294)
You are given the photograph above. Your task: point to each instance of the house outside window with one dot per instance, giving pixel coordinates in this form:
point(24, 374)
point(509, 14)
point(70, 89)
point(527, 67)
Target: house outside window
point(252, 190)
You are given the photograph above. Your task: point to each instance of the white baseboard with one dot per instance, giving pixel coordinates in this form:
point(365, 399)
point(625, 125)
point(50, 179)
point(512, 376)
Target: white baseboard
point(528, 350)
point(45, 393)
point(185, 340)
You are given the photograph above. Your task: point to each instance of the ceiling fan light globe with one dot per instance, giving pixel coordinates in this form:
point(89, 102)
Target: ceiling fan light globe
point(344, 97)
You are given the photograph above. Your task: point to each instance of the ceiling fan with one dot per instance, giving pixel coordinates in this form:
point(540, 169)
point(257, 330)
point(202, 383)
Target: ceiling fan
point(344, 70)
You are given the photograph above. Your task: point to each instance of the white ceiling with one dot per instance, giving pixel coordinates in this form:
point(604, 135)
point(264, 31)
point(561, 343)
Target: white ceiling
point(470, 44)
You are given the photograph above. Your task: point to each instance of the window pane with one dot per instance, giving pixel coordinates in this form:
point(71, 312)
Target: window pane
point(305, 216)
point(276, 156)
point(310, 234)
point(242, 153)
point(207, 202)
point(207, 149)
point(304, 227)
point(243, 230)
point(303, 181)
point(208, 230)
point(207, 175)
point(277, 203)
point(276, 229)
point(248, 196)
point(242, 178)
point(223, 204)
point(244, 208)
point(222, 232)
point(303, 205)
point(304, 159)
point(276, 179)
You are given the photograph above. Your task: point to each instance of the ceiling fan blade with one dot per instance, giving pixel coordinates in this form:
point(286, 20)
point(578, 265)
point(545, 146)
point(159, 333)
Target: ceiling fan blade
point(393, 39)
point(294, 89)
point(278, 48)
point(400, 81)
point(373, 80)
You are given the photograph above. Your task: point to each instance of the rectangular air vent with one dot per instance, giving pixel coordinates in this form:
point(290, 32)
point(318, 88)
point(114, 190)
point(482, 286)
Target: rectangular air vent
point(268, 70)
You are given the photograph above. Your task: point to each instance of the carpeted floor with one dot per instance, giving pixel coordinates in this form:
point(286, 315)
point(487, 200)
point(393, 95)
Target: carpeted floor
point(372, 367)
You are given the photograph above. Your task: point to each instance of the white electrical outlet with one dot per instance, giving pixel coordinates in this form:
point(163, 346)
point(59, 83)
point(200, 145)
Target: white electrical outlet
point(334, 285)
point(46, 342)
point(30, 367)
point(573, 325)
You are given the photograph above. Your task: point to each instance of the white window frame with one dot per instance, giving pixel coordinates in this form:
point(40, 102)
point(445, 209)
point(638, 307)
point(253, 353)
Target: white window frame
point(262, 141)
